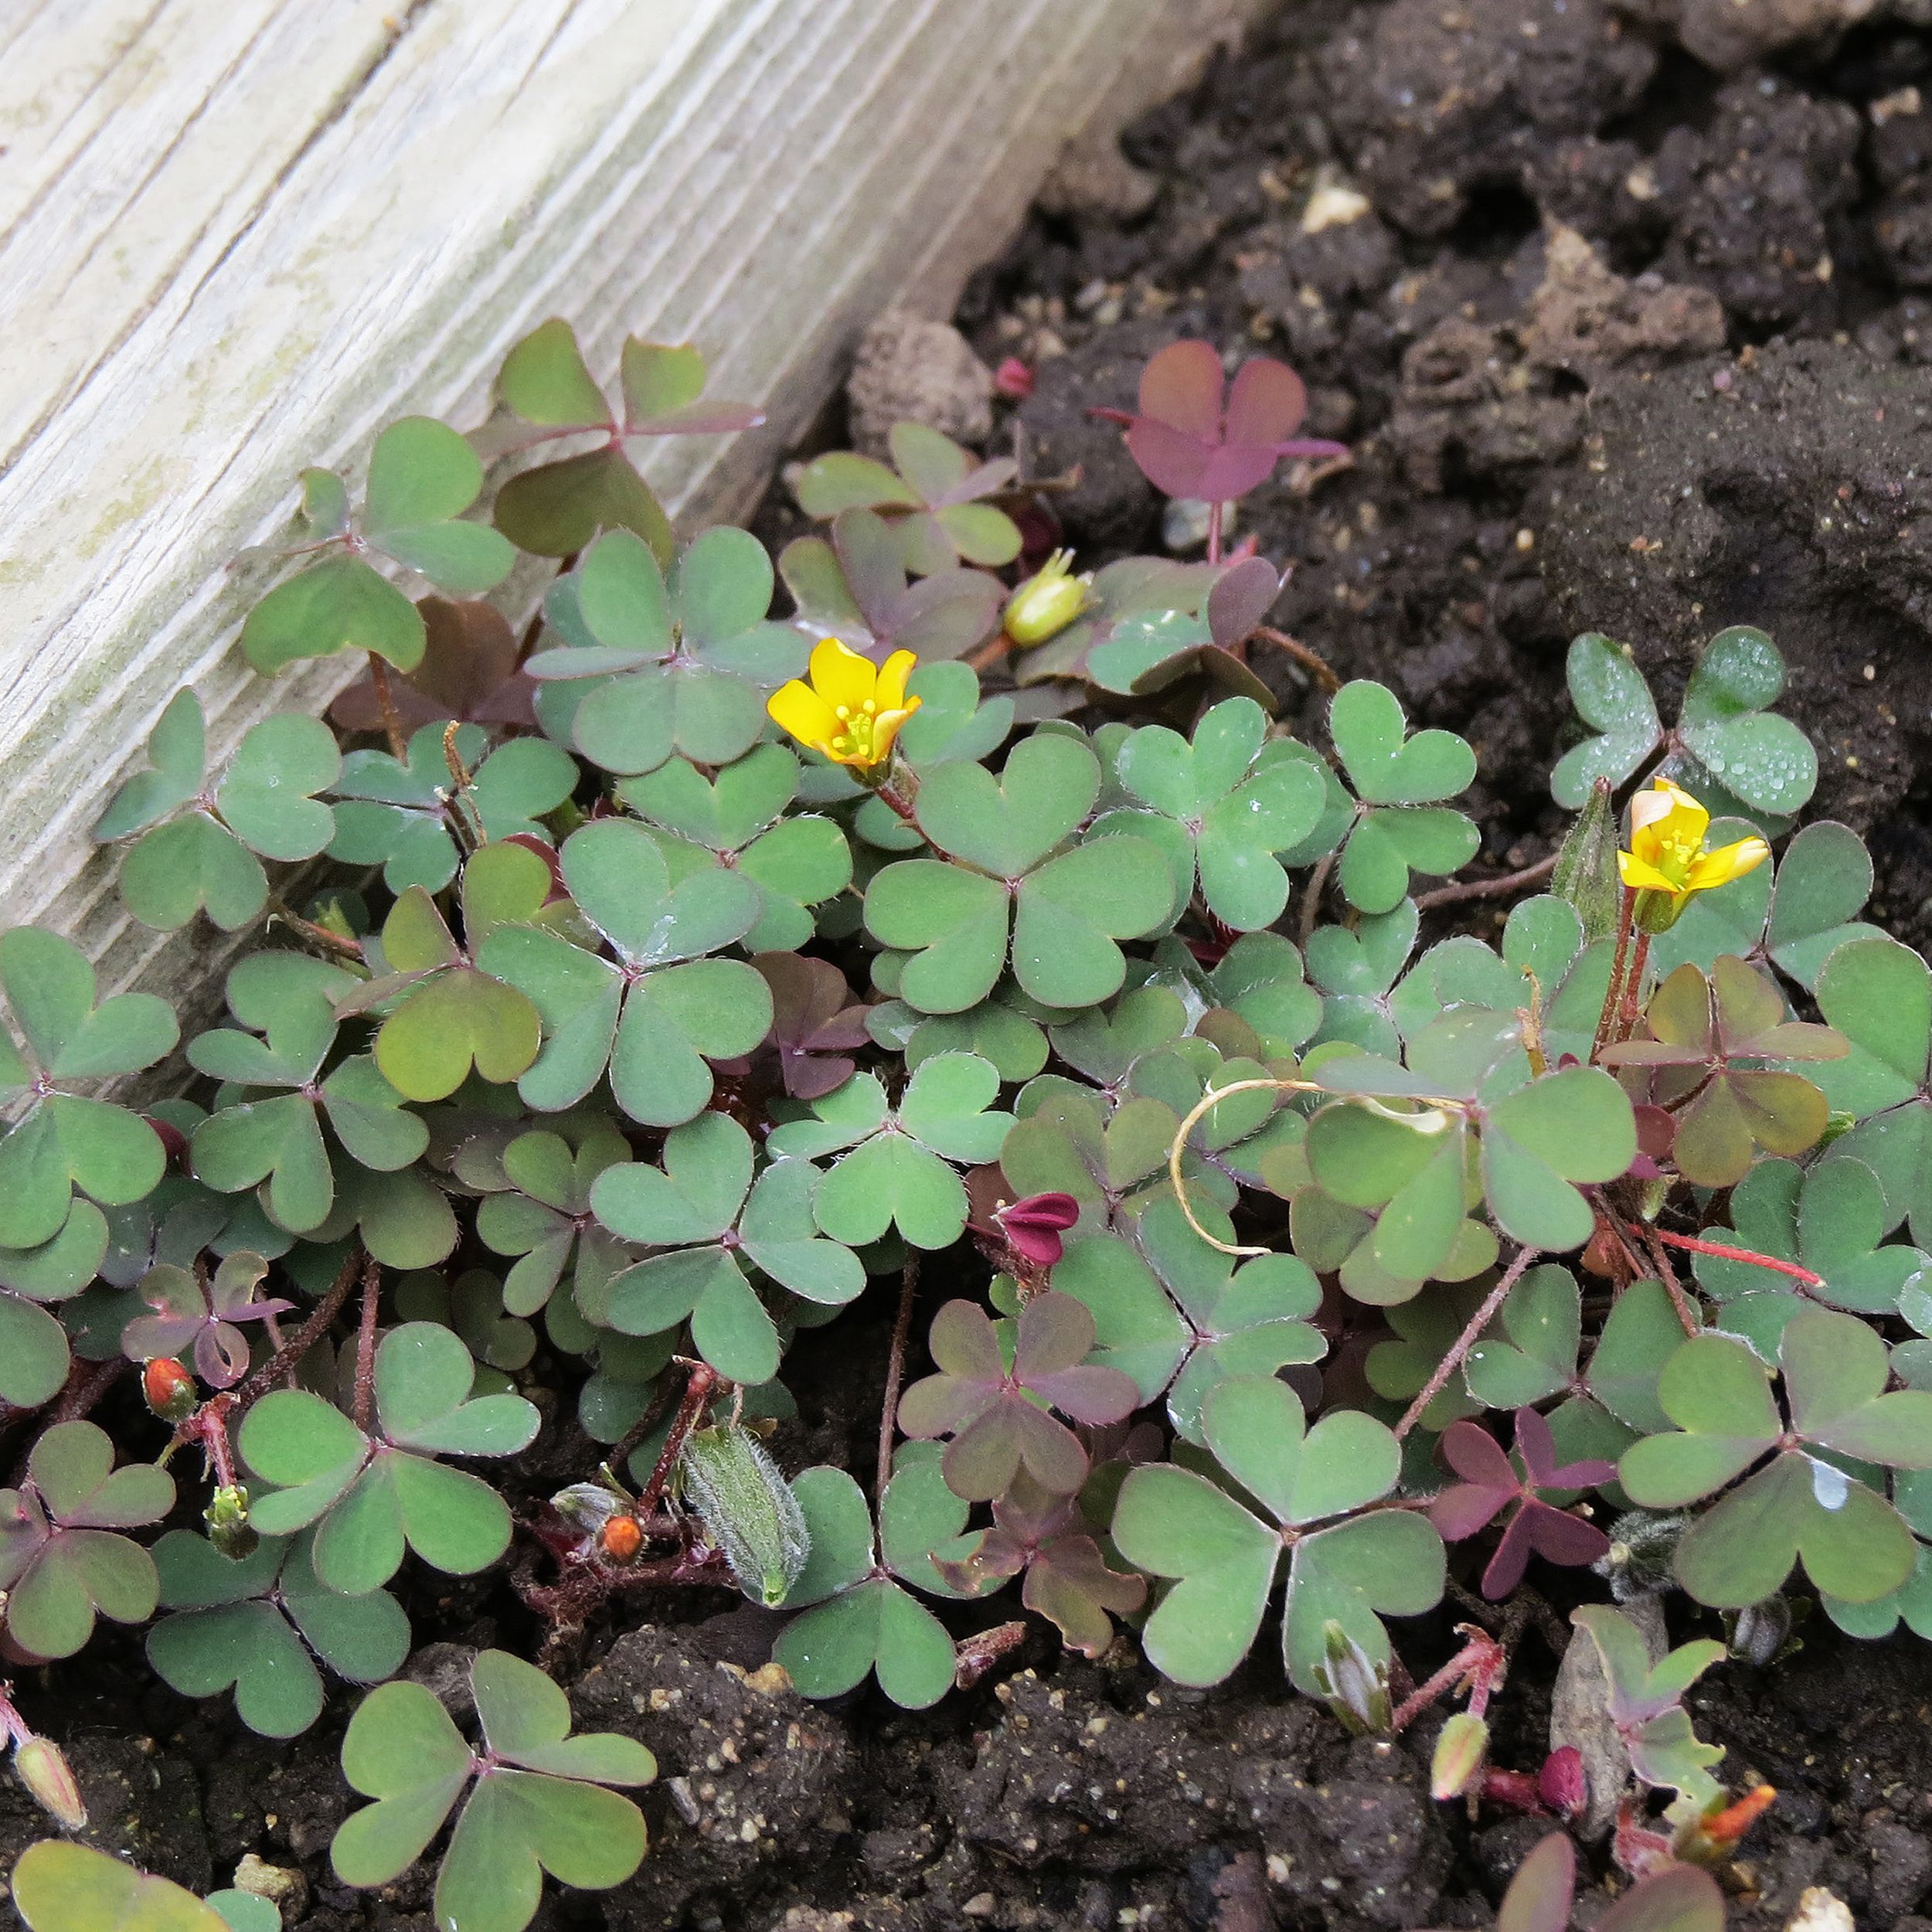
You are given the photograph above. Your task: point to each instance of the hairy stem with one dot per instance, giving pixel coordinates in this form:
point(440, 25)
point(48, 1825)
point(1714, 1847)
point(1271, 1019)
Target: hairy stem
point(895, 1373)
point(385, 703)
point(1633, 987)
point(1607, 1019)
point(316, 935)
point(1695, 1246)
point(1510, 881)
point(1459, 1348)
point(1668, 1274)
point(365, 1346)
point(1310, 660)
point(697, 1393)
point(305, 1337)
point(1311, 898)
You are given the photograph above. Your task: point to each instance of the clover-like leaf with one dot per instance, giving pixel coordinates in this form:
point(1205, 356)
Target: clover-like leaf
point(471, 671)
point(1611, 696)
point(1195, 436)
point(58, 1886)
point(898, 1168)
point(933, 495)
point(663, 1010)
point(680, 663)
point(61, 1562)
point(406, 816)
point(1878, 995)
point(1830, 1219)
point(66, 1143)
point(538, 1803)
point(191, 1314)
point(1348, 1565)
point(372, 1495)
point(1764, 760)
point(854, 588)
point(1401, 828)
point(252, 1624)
point(1645, 1702)
point(816, 1025)
point(859, 1619)
point(1007, 885)
point(547, 391)
point(1703, 1034)
point(992, 1412)
point(703, 1213)
point(1801, 1505)
point(1232, 813)
point(541, 1214)
point(422, 477)
point(1490, 1483)
point(797, 861)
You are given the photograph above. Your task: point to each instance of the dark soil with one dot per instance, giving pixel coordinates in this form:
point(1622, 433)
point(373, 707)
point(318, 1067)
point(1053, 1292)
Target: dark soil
point(1617, 343)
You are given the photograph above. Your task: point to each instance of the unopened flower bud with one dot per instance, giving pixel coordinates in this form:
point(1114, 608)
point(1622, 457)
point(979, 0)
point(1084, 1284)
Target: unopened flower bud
point(229, 1528)
point(1355, 1685)
point(170, 1390)
point(1047, 602)
point(48, 1776)
point(1461, 1745)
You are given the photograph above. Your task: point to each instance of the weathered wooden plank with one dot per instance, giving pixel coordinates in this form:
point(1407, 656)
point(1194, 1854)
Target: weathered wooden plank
point(234, 241)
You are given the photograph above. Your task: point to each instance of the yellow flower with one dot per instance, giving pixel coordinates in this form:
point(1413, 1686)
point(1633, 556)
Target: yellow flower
point(852, 709)
point(1667, 861)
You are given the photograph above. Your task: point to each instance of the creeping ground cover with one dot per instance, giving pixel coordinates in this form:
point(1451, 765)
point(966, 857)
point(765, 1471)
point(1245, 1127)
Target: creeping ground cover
point(915, 918)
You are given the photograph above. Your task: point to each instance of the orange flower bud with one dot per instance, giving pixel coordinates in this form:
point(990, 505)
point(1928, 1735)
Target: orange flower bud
point(170, 1390)
point(619, 1539)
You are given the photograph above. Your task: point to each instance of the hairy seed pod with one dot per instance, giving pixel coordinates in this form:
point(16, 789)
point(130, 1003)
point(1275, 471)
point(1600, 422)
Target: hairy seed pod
point(47, 1774)
point(1585, 872)
point(747, 1510)
point(1642, 1548)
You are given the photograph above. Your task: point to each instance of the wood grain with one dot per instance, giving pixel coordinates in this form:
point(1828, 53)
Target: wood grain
point(236, 235)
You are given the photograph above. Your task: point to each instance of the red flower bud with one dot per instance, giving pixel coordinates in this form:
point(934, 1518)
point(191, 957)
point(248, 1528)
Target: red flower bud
point(1014, 380)
point(170, 1390)
point(1561, 1783)
point(1033, 1227)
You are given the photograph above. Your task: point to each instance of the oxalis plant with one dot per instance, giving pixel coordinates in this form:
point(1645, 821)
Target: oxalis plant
point(681, 974)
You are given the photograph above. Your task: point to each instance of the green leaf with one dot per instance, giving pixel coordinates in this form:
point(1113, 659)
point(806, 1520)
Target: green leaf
point(60, 1886)
point(338, 603)
point(189, 865)
point(1610, 695)
point(544, 380)
point(1765, 761)
point(1368, 727)
point(177, 756)
point(1573, 1126)
point(266, 797)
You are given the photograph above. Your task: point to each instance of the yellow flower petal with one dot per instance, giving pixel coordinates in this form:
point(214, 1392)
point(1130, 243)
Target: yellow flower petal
point(891, 693)
point(886, 728)
point(1728, 862)
point(1645, 877)
point(799, 709)
point(841, 677)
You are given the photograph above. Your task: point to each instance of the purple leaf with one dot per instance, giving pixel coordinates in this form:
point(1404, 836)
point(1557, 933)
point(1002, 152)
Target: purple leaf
point(1187, 445)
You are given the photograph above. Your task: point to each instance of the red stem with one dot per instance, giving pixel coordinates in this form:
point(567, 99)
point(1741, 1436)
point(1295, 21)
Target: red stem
point(1607, 1018)
point(1467, 1340)
point(697, 1391)
point(1723, 1253)
point(365, 1345)
point(305, 1337)
point(895, 1373)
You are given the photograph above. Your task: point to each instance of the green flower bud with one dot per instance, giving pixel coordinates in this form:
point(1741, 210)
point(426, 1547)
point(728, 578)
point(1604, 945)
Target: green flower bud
point(1585, 872)
point(40, 1766)
point(747, 1510)
point(229, 1528)
point(1048, 601)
